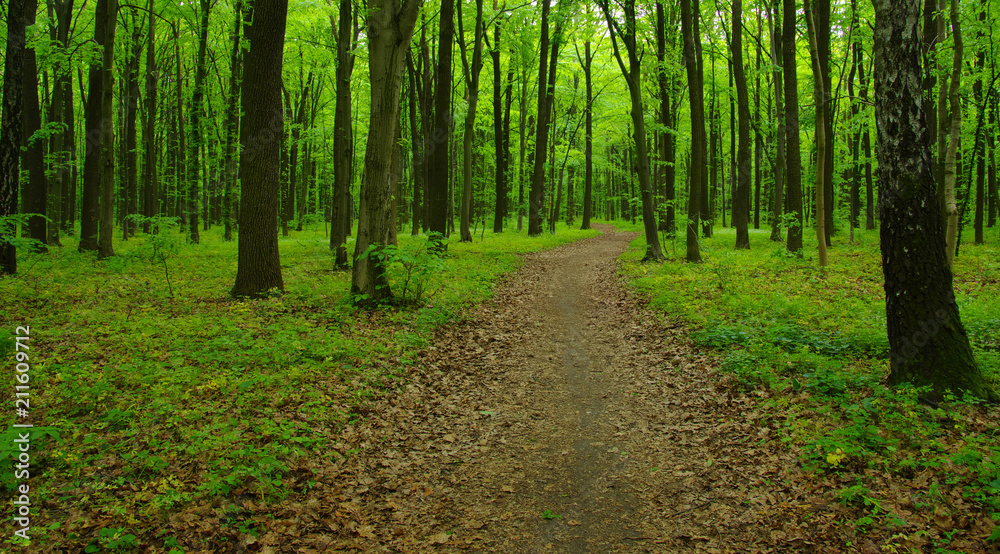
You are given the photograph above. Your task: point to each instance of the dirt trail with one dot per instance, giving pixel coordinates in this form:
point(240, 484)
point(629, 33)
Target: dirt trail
point(561, 416)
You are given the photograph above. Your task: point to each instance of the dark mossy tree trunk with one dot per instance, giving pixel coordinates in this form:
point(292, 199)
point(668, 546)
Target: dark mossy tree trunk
point(34, 152)
point(501, 129)
point(11, 132)
point(61, 11)
point(343, 136)
point(97, 134)
point(793, 156)
point(928, 344)
point(822, 144)
point(232, 125)
point(741, 198)
point(106, 233)
point(416, 143)
point(259, 266)
point(390, 28)
point(151, 193)
point(692, 42)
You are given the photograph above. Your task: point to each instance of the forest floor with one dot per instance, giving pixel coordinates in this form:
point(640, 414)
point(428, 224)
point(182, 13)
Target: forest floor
point(559, 416)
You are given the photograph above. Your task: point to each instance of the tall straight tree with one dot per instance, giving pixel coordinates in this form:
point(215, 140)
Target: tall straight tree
point(197, 108)
point(437, 140)
point(472, 83)
point(954, 134)
point(667, 115)
point(587, 63)
point(106, 230)
point(501, 127)
point(793, 155)
point(690, 11)
point(62, 93)
point(232, 126)
point(96, 133)
point(259, 265)
point(780, 164)
point(822, 236)
point(390, 28)
point(343, 136)
point(34, 153)
point(628, 33)
point(928, 345)
point(546, 95)
point(741, 198)
point(11, 133)
point(151, 194)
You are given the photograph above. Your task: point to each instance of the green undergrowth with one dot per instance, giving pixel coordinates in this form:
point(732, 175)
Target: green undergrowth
point(814, 347)
point(152, 391)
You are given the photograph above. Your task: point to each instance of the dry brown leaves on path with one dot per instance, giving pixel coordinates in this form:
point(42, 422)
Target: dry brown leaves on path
point(560, 416)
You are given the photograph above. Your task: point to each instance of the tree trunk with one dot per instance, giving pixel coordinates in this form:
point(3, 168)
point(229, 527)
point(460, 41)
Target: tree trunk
point(232, 125)
point(822, 236)
point(692, 41)
point(130, 89)
point(588, 183)
point(955, 133)
point(472, 84)
point(261, 134)
point(437, 140)
point(11, 132)
point(151, 193)
point(34, 153)
point(928, 344)
point(793, 159)
point(537, 190)
point(390, 27)
point(501, 135)
point(780, 162)
point(741, 198)
point(96, 136)
point(343, 133)
point(667, 115)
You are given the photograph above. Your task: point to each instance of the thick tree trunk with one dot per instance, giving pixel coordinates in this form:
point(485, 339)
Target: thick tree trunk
point(501, 135)
point(928, 344)
point(692, 41)
point(96, 136)
point(11, 131)
point(546, 92)
point(438, 139)
point(259, 266)
point(667, 115)
point(390, 27)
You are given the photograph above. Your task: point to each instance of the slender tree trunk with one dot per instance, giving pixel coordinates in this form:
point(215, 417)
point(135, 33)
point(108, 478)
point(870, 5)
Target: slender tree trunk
point(822, 237)
point(741, 199)
point(927, 343)
point(792, 153)
point(259, 265)
point(588, 183)
point(34, 153)
point(472, 83)
point(11, 131)
point(667, 141)
point(780, 162)
point(955, 133)
point(130, 187)
point(537, 191)
point(438, 139)
point(692, 40)
point(758, 142)
point(151, 193)
point(232, 126)
point(343, 133)
point(992, 202)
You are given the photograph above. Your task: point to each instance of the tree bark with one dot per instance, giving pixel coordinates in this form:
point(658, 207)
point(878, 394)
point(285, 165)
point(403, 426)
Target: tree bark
point(259, 265)
point(232, 125)
point(741, 199)
point(472, 84)
point(546, 92)
point(928, 344)
point(390, 28)
point(34, 153)
point(11, 132)
point(822, 236)
point(692, 40)
point(151, 193)
point(793, 156)
point(343, 137)
point(780, 161)
point(955, 133)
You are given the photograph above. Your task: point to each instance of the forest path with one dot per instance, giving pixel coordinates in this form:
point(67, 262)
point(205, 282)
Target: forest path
point(561, 416)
